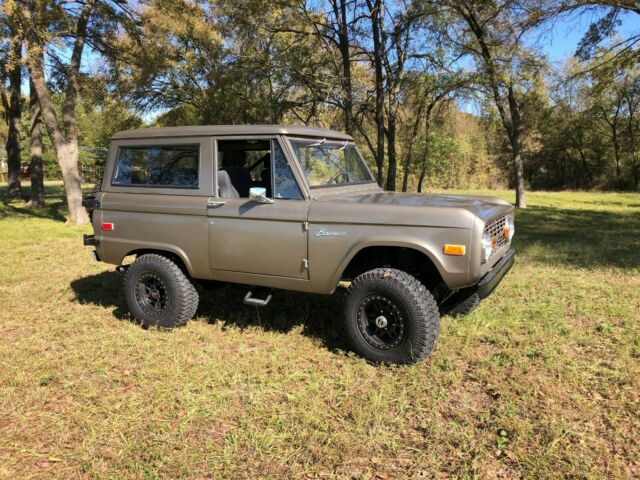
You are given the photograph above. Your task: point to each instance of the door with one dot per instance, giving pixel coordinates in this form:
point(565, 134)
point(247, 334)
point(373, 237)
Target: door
point(248, 236)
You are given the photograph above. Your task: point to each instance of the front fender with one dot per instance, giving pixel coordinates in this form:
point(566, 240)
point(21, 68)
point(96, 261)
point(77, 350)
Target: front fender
point(329, 255)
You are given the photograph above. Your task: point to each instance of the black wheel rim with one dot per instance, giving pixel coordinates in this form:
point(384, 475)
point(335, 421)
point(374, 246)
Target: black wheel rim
point(152, 295)
point(381, 322)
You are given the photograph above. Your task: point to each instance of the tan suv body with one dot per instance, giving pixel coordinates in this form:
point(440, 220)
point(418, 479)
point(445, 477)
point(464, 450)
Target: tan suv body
point(287, 207)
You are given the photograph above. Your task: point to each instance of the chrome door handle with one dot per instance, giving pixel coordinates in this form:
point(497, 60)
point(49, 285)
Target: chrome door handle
point(215, 203)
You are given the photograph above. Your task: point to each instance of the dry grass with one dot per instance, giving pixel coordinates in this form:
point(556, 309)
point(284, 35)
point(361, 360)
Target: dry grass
point(543, 380)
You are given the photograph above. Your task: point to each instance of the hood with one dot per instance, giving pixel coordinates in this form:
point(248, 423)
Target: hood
point(480, 206)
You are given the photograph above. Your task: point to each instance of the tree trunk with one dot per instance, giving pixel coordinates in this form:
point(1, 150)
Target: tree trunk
point(68, 160)
point(35, 167)
point(613, 124)
point(616, 150)
point(408, 162)
point(407, 166)
point(13, 108)
point(425, 159)
point(391, 150)
point(345, 54)
point(585, 167)
point(518, 167)
point(423, 173)
point(517, 140)
point(66, 149)
point(634, 153)
point(375, 11)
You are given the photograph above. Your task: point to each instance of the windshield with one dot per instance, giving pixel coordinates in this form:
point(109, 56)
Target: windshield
point(329, 164)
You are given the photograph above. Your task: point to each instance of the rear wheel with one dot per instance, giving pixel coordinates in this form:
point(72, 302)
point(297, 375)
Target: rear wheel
point(159, 293)
point(391, 317)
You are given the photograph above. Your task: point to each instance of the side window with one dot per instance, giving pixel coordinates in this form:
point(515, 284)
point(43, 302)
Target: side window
point(284, 182)
point(172, 166)
point(246, 164)
point(243, 164)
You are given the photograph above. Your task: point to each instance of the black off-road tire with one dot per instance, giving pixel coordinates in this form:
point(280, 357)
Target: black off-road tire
point(168, 277)
point(409, 303)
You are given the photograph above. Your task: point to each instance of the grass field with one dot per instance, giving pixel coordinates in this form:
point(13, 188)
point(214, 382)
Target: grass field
point(542, 381)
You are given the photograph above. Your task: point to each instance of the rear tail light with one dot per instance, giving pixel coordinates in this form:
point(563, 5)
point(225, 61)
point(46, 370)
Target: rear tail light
point(107, 227)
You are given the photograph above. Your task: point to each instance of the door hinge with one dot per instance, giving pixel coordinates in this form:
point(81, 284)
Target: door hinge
point(305, 262)
point(305, 226)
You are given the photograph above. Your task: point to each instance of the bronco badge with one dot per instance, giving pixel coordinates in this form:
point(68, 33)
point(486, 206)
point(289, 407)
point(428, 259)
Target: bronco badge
point(326, 233)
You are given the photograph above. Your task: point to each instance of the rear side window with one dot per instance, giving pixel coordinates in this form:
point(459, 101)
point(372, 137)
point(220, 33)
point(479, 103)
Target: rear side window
point(174, 166)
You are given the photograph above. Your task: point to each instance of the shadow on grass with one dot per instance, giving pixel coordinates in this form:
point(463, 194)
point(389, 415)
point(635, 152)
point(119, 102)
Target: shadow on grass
point(54, 203)
point(50, 211)
point(318, 315)
point(580, 238)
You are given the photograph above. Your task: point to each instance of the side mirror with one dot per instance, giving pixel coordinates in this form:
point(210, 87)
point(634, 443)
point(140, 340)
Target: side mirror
point(259, 194)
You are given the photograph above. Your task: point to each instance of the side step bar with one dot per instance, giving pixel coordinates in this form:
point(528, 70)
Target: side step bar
point(256, 302)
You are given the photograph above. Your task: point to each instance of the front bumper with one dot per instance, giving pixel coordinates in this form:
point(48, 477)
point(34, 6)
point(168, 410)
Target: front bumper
point(490, 281)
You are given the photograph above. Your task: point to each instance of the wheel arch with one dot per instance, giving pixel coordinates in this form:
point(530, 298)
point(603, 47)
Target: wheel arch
point(174, 254)
point(414, 259)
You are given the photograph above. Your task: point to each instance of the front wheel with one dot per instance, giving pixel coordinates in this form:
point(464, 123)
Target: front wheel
point(391, 317)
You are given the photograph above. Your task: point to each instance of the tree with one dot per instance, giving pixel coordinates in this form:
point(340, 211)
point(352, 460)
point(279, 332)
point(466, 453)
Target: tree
point(394, 58)
point(430, 96)
point(336, 29)
point(233, 62)
point(607, 15)
point(64, 135)
point(613, 93)
point(11, 70)
point(492, 34)
point(47, 25)
point(589, 131)
point(35, 135)
point(376, 16)
point(632, 102)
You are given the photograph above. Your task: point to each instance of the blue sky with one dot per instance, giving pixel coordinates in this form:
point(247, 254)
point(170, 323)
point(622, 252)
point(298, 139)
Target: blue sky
point(561, 42)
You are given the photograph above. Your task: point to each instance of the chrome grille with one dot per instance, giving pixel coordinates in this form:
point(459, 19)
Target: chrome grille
point(495, 229)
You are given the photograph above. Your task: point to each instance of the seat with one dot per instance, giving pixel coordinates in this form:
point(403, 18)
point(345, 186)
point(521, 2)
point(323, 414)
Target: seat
point(234, 163)
point(225, 187)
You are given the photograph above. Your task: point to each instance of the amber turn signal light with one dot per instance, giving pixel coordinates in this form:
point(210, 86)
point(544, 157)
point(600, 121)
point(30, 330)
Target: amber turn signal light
point(454, 249)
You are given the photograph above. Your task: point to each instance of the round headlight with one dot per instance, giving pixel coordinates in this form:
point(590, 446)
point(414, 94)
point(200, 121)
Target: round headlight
point(487, 246)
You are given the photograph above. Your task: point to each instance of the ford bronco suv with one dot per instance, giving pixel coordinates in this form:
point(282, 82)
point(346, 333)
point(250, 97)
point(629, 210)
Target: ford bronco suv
point(294, 208)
